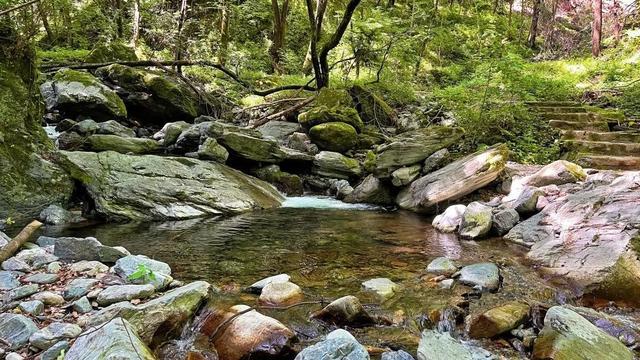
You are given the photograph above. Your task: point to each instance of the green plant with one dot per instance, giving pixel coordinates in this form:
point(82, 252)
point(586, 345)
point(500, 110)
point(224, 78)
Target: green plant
point(143, 272)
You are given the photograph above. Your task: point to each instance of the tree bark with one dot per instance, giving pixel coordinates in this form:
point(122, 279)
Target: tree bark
point(45, 23)
point(119, 22)
point(135, 26)
point(279, 32)
point(181, 20)
point(224, 33)
point(15, 244)
point(596, 34)
point(535, 16)
point(321, 7)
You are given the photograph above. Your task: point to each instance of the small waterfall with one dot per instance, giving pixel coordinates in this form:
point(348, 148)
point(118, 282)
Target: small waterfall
point(324, 202)
point(447, 322)
point(51, 131)
point(186, 347)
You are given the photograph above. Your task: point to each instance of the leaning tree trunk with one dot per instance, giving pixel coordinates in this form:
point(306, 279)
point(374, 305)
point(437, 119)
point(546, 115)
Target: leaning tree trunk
point(135, 27)
point(596, 34)
point(535, 16)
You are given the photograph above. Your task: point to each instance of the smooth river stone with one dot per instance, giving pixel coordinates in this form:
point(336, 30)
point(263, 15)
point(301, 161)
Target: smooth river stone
point(485, 276)
point(339, 344)
point(498, 320)
point(257, 287)
point(42, 278)
point(281, 294)
point(382, 287)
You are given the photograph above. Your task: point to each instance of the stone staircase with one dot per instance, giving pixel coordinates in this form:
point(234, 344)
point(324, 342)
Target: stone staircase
point(588, 137)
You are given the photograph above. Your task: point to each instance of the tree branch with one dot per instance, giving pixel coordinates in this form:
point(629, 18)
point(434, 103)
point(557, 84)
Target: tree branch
point(17, 7)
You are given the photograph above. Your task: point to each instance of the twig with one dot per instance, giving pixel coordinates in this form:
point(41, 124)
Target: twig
point(15, 244)
point(293, 108)
point(17, 7)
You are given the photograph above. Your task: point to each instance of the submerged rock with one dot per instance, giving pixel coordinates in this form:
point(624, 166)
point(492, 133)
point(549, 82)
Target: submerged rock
point(382, 287)
point(497, 320)
point(436, 346)
point(256, 288)
point(345, 311)
point(281, 294)
point(442, 266)
point(476, 221)
point(154, 187)
point(371, 191)
point(449, 221)
point(115, 340)
point(339, 344)
point(454, 180)
point(335, 165)
point(15, 330)
point(568, 336)
point(485, 276)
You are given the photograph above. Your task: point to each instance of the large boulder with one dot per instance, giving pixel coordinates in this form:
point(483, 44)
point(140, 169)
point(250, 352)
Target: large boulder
point(123, 145)
point(152, 96)
point(557, 173)
point(568, 336)
point(153, 187)
point(455, 180)
point(112, 51)
point(413, 147)
point(115, 340)
point(29, 181)
point(588, 236)
point(476, 221)
point(335, 165)
point(78, 93)
point(371, 191)
point(334, 136)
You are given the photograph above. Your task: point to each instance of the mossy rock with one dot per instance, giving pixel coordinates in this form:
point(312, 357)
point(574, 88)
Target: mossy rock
point(322, 114)
point(372, 108)
point(123, 145)
point(334, 136)
point(114, 51)
point(333, 98)
point(289, 184)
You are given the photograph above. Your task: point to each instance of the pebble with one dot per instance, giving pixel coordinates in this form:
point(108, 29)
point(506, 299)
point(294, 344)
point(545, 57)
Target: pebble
point(42, 278)
point(442, 266)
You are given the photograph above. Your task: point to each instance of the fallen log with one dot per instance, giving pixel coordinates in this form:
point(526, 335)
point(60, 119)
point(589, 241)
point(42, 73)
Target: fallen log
point(17, 242)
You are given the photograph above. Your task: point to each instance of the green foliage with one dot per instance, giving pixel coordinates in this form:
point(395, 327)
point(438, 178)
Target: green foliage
point(143, 272)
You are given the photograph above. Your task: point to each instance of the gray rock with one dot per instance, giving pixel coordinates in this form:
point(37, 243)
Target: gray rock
point(567, 335)
point(396, 355)
point(112, 127)
point(372, 191)
point(117, 293)
point(621, 327)
point(4, 239)
point(22, 291)
point(211, 150)
point(281, 294)
point(123, 145)
point(382, 287)
point(36, 257)
point(335, 165)
point(44, 241)
point(251, 147)
point(166, 187)
point(339, 344)
point(55, 215)
point(449, 221)
point(170, 132)
point(55, 351)
point(115, 340)
point(347, 311)
point(476, 221)
point(436, 346)
point(14, 356)
point(85, 127)
point(8, 280)
point(256, 288)
point(78, 287)
point(15, 330)
point(53, 333)
point(159, 277)
point(446, 284)
point(54, 267)
point(435, 161)
point(405, 175)
point(301, 142)
point(442, 266)
point(504, 220)
point(278, 130)
point(108, 254)
point(42, 278)
point(90, 268)
point(82, 305)
point(485, 276)
point(340, 188)
point(49, 298)
point(34, 307)
point(75, 249)
point(524, 200)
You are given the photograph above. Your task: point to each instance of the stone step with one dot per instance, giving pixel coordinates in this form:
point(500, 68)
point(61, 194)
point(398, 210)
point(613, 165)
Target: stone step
point(608, 162)
point(602, 147)
point(561, 109)
point(615, 136)
point(570, 116)
point(552, 103)
point(579, 125)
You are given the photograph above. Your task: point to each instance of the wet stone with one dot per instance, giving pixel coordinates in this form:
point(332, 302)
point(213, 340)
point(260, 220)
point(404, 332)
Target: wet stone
point(442, 266)
point(484, 276)
point(281, 294)
point(53, 333)
point(382, 287)
point(497, 320)
point(339, 344)
point(256, 288)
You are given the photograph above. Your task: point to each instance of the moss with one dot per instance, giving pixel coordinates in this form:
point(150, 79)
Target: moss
point(372, 108)
point(333, 98)
point(113, 102)
point(370, 161)
point(322, 114)
point(334, 136)
point(114, 51)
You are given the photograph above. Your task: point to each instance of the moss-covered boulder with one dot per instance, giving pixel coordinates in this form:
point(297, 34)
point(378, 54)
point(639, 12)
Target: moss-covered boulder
point(322, 114)
point(29, 181)
point(372, 108)
point(334, 136)
point(113, 51)
point(335, 165)
point(123, 145)
point(250, 147)
point(289, 184)
point(78, 93)
point(152, 97)
point(371, 191)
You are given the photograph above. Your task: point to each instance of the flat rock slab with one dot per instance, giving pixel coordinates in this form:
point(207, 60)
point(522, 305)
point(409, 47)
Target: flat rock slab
point(15, 330)
point(115, 340)
point(53, 333)
point(486, 276)
point(42, 278)
point(439, 346)
point(117, 293)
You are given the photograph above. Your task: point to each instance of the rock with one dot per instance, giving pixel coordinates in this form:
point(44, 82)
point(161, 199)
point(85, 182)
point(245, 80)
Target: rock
point(345, 311)
point(55, 215)
point(22, 291)
point(382, 287)
point(371, 107)
point(396, 355)
point(442, 266)
point(45, 241)
point(15, 264)
point(166, 187)
point(90, 268)
point(54, 352)
point(372, 191)
point(65, 125)
point(413, 147)
point(112, 127)
point(117, 293)
point(211, 150)
point(278, 130)
point(340, 188)
point(251, 147)
point(476, 221)
point(49, 298)
point(281, 294)
point(85, 127)
point(334, 136)
point(110, 254)
point(436, 346)
point(76, 93)
point(34, 307)
point(54, 267)
point(78, 287)
point(82, 305)
point(322, 115)
point(15, 330)
point(405, 175)
point(170, 132)
point(485, 276)
point(287, 183)
point(110, 52)
point(339, 344)
point(75, 249)
point(497, 320)
point(567, 335)
point(123, 145)
point(53, 333)
point(454, 180)
point(8, 280)
point(36, 257)
point(14, 356)
point(504, 220)
point(435, 161)
point(446, 284)
point(335, 165)
point(250, 335)
point(4, 239)
point(159, 277)
point(152, 96)
point(256, 288)
point(623, 328)
point(557, 173)
point(524, 200)
point(160, 318)
point(588, 236)
point(449, 221)
point(115, 340)
point(42, 278)
point(70, 141)
point(301, 142)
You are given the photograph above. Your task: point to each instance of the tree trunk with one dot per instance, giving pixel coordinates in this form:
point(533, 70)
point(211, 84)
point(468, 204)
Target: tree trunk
point(596, 34)
point(533, 31)
point(179, 40)
point(8, 250)
point(279, 32)
point(224, 33)
point(321, 7)
point(618, 19)
point(135, 27)
point(45, 23)
point(119, 23)
point(552, 32)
